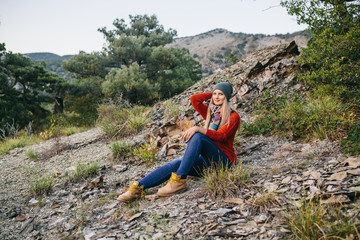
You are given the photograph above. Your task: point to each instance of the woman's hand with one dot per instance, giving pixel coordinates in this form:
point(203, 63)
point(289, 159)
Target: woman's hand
point(190, 132)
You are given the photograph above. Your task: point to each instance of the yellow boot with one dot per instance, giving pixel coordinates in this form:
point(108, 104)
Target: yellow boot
point(132, 193)
point(175, 185)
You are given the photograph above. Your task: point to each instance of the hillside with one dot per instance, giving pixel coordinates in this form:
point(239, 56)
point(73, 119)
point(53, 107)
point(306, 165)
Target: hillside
point(283, 174)
point(211, 48)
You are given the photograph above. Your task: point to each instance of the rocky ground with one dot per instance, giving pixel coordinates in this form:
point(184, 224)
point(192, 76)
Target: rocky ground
point(89, 210)
point(283, 172)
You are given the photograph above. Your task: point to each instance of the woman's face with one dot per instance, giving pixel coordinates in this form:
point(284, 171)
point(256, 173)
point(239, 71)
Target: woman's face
point(218, 97)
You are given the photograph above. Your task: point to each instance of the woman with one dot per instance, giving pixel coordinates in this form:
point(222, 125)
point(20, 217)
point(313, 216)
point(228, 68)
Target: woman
point(210, 145)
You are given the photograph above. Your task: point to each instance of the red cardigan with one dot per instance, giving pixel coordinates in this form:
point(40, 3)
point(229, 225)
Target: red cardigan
point(224, 136)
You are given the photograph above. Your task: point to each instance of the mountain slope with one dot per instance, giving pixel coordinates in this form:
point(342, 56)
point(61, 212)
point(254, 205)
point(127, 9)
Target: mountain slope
point(53, 62)
point(211, 48)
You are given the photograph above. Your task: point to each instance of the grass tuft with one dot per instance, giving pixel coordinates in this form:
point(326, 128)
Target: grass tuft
point(83, 171)
point(41, 186)
point(224, 181)
point(264, 200)
point(121, 150)
point(171, 109)
point(316, 220)
point(32, 155)
point(16, 142)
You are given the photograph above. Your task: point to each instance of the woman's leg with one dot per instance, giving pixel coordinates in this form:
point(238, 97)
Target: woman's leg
point(203, 151)
point(200, 153)
point(160, 175)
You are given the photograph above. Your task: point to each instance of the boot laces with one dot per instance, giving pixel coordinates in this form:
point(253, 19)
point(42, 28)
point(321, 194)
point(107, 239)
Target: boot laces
point(174, 178)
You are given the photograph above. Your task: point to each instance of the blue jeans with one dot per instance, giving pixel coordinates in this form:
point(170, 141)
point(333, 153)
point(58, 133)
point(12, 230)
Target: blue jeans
point(201, 153)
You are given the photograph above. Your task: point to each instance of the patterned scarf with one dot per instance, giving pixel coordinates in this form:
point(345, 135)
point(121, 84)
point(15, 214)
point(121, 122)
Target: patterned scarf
point(215, 117)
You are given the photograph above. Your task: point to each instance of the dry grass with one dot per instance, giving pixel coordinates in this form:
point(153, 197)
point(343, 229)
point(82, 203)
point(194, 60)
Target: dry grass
point(313, 220)
point(224, 181)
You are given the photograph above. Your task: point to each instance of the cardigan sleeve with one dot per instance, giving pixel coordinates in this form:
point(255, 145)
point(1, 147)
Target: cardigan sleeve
point(225, 131)
point(197, 102)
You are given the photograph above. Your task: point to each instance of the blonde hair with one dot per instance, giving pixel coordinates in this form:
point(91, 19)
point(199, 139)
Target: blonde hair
point(225, 114)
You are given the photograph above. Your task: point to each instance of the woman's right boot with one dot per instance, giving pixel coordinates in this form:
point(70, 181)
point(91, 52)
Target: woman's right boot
point(132, 193)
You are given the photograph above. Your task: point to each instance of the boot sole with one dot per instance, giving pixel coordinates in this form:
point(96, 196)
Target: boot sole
point(170, 194)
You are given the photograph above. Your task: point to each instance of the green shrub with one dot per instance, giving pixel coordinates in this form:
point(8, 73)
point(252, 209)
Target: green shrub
point(224, 181)
point(319, 117)
point(352, 141)
point(260, 126)
point(83, 171)
point(117, 120)
point(146, 153)
point(81, 110)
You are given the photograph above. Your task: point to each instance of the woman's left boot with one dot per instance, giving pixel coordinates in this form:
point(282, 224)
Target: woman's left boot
point(175, 185)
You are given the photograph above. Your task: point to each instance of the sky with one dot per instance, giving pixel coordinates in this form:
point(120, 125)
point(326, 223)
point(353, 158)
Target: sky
point(69, 26)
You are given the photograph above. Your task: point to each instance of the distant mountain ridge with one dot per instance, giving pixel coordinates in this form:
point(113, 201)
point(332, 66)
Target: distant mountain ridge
point(210, 48)
point(52, 61)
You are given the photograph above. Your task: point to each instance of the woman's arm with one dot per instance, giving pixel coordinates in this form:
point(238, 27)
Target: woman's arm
point(191, 131)
point(197, 102)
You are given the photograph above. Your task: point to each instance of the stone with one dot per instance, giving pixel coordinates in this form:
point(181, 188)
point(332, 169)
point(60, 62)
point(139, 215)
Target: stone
point(355, 189)
point(260, 218)
point(202, 206)
point(120, 168)
point(355, 172)
point(158, 236)
point(171, 152)
point(286, 180)
point(137, 215)
point(219, 212)
point(234, 200)
point(33, 202)
point(20, 218)
point(352, 162)
point(338, 176)
point(315, 174)
point(336, 199)
point(111, 205)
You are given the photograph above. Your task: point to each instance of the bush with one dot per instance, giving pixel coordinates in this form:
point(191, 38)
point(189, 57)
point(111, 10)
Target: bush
point(146, 153)
point(81, 110)
point(118, 121)
point(352, 141)
point(319, 117)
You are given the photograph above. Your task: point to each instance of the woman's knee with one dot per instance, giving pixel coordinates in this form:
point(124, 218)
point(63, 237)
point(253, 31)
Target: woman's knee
point(197, 137)
point(174, 164)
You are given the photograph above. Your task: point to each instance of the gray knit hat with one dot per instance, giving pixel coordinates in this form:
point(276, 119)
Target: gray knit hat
point(226, 88)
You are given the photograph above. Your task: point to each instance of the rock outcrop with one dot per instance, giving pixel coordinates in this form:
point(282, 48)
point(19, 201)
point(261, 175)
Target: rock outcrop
point(271, 71)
